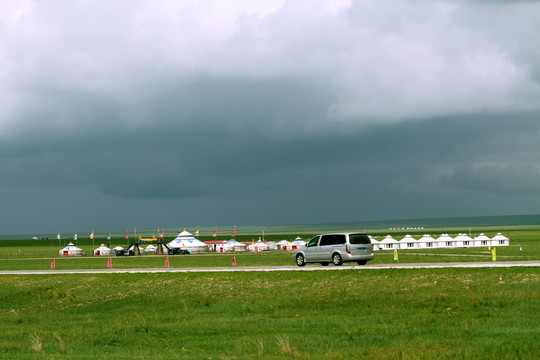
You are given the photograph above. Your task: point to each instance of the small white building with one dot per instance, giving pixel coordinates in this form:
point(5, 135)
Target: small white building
point(427, 242)
point(231, 245)
point(389, 243)
point(71, 250)
point(463, 240)
point(481, 240)
point(375, 243)
point(282, 245)
point(258, 247)
point(296, 244)
point(408, 242)
point(445, 241)
point(102, 250)
point(500, 240)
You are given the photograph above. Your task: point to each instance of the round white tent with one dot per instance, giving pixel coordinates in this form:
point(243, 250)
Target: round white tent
point(482, 240)
point(258, 247)
point(463, 240)
point(389, 243)
point(102, 250)
point(186, 241)
point(150, 249)
point(445, 241)
point(231, 245)
point(283, 245)
point(118, 248)
point(408, 242)
point(500, 240)
point(375, 243)
point(71, 250)
point(296, 244)
point(427, 242)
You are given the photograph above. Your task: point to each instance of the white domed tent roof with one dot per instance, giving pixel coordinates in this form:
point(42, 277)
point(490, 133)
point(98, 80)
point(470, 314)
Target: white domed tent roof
point(186, 241)
point(234, 245)
point(71, 250)
point(408, 239)
point(258, 246)
point(150, 248)
point(102, 250)
point(500, 236)
point(426, 238)
point(298, 241)
point(445, 237)
point(482, 237)
point(388, 240)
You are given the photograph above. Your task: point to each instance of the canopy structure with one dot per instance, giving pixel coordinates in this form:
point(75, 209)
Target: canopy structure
point(71, 250)
point(427, 242)
point(408, 242)
point(102, 250)
point(186, 241)
point(445, 241)
point(389, 243)
point(500, 240)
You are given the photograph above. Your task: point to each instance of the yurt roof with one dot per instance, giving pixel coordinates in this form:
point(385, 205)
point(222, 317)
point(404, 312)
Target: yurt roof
point(482, 237)
point(407, 239)
point(389, 239)
point(70, 246)
point(102, 247)
point(118, 248)
point(282, 242)
point(445, 237)
point(499, 236)
point(426, 238)
point(184, 234)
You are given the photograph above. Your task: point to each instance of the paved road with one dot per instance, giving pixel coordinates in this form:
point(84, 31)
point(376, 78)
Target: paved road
point(282, 268)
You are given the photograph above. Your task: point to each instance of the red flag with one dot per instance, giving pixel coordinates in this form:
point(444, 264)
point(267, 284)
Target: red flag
point(233, 232)
point(214, 234)
point(52, 264)
point(167, 262)
point(161, 235)
point(127, 235)
point(92, 236)
point(233, 261)
point(109, 265)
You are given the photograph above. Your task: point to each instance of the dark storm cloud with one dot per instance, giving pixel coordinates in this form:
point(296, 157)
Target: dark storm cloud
point(355, 110)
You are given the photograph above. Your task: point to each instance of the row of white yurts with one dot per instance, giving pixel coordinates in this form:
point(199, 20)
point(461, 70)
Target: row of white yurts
point(443, 241)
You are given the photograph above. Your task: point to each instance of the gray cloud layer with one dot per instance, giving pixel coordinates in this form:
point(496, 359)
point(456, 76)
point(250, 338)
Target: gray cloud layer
point(274, 112)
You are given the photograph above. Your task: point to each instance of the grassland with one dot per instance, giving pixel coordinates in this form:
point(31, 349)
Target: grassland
point(350, 314)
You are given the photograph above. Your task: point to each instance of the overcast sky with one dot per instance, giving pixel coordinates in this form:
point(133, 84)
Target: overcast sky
point(121, 114)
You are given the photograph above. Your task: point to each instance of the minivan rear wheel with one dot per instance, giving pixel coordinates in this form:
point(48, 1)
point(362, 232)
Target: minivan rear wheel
point(324, 264)
point(362, 262)
point(336, 259)
point(300, 260)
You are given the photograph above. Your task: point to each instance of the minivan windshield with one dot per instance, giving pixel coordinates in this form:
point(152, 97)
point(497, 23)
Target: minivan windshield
point(359, 239)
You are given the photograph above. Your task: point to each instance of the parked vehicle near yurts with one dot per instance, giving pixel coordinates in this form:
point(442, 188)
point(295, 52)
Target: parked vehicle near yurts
point(336, 248)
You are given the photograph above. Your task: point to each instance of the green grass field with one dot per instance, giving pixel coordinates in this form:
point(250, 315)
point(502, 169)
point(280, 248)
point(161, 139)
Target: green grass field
point(351, 314)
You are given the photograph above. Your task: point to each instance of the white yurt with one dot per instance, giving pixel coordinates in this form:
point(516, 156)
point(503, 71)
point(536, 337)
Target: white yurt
point(186, 241)
point(445, 241)
point(71, 250)
point(118, 248)
point(232, 245)
point(271, 245)
point(296, 244)
point(375, 243)
point(102, 250)
point(389, 243)
point(150, 249)
point(283, 245)
point(500, 240)
point(463, 240)
point(408, 242)
point(427, 242)
point(482, 240)
point(258, 247)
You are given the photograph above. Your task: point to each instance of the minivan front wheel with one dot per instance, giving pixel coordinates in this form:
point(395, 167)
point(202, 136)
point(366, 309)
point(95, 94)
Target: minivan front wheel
point(336, 259)
point(300, 260)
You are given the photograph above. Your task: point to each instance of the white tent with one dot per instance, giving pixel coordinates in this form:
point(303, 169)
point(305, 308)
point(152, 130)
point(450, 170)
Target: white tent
point(427, 242)
point(445, 241)
point(408, 242)
point(258, 247)
point(118, 248)
point(231, 245)
point(186, 241)
point(297, 243)
point(283, 245)
point(150, 249)
point(102, 250)
point(389, 243)
point(482, 240)
point(375, 243)
point(500, 240)
point(71, 250)
point(271, 245)
point(462, 240)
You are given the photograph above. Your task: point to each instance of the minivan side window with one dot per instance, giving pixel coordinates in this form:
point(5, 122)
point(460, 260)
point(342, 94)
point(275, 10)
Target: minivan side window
point(359, 239)
point(333, 239)
point(313, 242)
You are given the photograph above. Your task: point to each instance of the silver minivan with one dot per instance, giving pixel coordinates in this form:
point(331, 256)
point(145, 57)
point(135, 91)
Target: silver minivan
point(336, 248)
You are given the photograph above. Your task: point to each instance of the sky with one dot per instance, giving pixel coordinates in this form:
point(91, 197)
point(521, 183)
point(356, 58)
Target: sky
point(128, 113)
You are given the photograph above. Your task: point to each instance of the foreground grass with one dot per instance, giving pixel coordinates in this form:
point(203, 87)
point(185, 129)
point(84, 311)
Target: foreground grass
point(352, 314)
